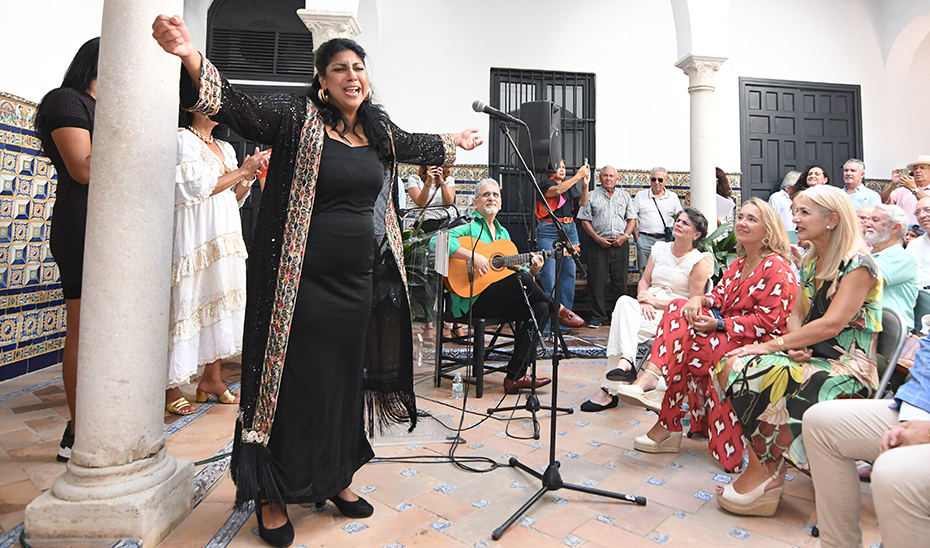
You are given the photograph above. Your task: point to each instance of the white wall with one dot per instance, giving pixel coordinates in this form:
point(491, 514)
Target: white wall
point(430, 59)
point(42, 37)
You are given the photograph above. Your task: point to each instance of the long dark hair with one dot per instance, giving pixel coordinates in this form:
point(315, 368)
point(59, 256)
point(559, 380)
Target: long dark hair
point(723, 184)
point(81, 72)
point(371, 117)
point(700, 225)
point(802, 180)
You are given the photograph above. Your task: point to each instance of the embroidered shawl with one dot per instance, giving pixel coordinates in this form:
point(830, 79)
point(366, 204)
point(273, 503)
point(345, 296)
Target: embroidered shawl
point(292, 125)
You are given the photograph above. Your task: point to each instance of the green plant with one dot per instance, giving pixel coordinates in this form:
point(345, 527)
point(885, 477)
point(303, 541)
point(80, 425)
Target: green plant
point(420, 279)
point(721, 244)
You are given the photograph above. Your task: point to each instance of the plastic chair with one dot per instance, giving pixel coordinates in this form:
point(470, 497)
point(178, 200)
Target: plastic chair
point(921, 309)
point(890, 344)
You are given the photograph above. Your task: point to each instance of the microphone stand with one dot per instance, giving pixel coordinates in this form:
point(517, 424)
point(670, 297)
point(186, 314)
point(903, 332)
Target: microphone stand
point(552, 479)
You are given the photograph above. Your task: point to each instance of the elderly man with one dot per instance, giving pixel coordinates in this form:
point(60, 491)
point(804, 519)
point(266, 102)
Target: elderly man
point(885, 231)
point(853, 174)
point(609, 219)
point(905, 190)
point(919, 248)
point(864, 213)
point(897, 438)
point(503, 298)
point(654, 207)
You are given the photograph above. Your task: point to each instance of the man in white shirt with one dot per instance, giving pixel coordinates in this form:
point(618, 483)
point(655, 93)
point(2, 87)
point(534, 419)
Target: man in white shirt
point(905, 190)
point(920, 247)
point(654, 207)
point(853, 174)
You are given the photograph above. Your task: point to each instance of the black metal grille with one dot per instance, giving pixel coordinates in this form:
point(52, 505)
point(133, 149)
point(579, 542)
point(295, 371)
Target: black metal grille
point(274, 45)
point(574, 92)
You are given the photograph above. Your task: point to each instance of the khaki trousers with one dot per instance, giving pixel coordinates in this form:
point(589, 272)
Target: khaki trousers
point(836, 434)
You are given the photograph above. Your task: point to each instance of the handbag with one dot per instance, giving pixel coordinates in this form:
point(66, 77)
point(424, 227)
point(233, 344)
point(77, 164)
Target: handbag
point(668, 231)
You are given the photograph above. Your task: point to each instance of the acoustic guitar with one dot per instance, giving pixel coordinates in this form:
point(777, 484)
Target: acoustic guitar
point(502, 255)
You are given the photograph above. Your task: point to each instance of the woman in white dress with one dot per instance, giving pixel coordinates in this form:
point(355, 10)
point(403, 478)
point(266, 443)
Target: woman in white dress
point(674, 270)
point(208, 266)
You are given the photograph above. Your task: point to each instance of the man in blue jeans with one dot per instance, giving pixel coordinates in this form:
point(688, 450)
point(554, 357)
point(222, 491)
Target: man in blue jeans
point(564, 199)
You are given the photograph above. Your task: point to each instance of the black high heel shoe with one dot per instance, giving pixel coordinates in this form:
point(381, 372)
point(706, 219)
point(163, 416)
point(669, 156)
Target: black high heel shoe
point(356, 510)
point(280, 537)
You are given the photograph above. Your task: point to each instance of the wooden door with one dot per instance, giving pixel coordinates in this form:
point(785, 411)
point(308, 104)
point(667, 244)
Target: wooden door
point(787, 126)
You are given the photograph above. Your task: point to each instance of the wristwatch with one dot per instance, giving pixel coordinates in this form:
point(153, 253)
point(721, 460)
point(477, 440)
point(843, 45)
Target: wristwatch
point(720, 326)
point(915, 191)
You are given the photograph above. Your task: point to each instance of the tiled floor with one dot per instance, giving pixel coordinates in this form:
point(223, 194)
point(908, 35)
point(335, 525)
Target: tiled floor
point(426, 501)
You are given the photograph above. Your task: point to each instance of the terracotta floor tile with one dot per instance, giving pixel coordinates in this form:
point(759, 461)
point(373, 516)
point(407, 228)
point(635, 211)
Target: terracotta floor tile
point(519, 536)
point(15, 496)
point(605, 534)
point(778, 531)
point(44, 474)
point(443, 505)
point(565, 520)
point(15, 439)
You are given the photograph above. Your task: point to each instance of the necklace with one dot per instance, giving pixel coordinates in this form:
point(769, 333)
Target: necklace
point(205, 138)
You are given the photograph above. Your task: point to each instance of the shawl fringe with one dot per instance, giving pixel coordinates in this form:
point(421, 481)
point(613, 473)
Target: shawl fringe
point(254, 472)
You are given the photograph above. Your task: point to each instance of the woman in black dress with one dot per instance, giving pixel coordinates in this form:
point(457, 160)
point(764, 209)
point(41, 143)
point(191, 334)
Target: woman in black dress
point(327, 318)
point(65, 124)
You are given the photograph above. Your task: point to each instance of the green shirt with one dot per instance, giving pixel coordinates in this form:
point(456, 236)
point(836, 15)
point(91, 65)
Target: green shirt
point(480, 231)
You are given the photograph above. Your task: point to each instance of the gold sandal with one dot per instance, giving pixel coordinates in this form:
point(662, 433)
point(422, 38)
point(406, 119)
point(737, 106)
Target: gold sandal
point(175, 407)
point(225, 397)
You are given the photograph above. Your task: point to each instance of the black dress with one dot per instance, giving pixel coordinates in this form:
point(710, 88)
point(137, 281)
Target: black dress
point(67, 107)
point(318, 438)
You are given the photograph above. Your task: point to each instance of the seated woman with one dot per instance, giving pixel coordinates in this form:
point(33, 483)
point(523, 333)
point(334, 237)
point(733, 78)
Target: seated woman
point(673, 271)
point(752, 301)
point(828, 352)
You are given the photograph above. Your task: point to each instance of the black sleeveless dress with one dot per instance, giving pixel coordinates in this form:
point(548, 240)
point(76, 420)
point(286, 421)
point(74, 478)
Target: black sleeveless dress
point(318, 438)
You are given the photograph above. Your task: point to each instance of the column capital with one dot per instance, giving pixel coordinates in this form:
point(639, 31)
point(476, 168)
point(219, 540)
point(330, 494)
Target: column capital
point(326, 25)
point(700, 70)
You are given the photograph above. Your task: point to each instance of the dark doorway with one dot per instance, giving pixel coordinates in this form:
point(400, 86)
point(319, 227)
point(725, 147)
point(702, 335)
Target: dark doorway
point(261, 47)
point(510, 88)
point(786, 125)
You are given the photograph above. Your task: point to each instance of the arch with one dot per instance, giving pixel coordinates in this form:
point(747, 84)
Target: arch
point(905, 46)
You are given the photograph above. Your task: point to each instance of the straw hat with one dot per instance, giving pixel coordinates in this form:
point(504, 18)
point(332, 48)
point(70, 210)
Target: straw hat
point(921, 159)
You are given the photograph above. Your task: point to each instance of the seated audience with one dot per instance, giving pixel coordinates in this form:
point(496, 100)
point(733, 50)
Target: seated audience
point(781, 200)
point(913, 232)
point(906, 189)
point(751, 302)
point(919, 248)
point(864, 213)
point(503, 298)
point(674, 270)
point(828, 352)
point(896, 438)
point(898, 268)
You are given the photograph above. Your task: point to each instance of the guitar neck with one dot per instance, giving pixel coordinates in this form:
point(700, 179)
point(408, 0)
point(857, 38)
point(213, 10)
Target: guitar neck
point(520, 258)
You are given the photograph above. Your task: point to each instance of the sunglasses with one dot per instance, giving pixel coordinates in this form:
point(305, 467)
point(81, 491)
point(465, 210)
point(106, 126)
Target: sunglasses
point(657, 180)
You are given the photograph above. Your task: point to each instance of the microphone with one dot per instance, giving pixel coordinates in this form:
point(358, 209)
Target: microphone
point(478, 106)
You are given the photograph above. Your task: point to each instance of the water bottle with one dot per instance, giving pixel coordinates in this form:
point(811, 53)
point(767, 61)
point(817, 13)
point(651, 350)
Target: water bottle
point(458, 387)
point(418, 349)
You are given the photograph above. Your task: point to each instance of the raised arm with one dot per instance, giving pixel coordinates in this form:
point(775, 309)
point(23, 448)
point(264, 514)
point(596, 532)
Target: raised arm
point(205, 91)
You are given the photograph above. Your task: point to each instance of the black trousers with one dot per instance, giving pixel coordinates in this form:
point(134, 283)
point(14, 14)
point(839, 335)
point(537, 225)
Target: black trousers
point(602, 261)
point(504, 299)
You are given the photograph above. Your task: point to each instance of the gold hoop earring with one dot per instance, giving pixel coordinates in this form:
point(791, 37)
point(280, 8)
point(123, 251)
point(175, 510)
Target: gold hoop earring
point(323, 95)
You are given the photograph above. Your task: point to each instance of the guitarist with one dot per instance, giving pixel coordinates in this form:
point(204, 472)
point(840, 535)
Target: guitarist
point(503, 298)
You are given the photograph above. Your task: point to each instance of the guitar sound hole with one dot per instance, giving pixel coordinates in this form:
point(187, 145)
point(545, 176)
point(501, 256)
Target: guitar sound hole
point(497, 263)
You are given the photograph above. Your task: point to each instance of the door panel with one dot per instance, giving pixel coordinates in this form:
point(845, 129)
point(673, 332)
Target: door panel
point(776, 137)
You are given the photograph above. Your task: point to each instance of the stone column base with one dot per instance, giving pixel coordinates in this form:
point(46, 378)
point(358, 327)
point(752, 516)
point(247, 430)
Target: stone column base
point(148, 515)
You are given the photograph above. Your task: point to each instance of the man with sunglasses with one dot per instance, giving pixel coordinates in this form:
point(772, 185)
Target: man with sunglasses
point(655, 207)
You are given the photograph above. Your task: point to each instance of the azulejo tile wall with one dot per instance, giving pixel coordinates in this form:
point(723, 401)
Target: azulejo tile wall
point(32, 312)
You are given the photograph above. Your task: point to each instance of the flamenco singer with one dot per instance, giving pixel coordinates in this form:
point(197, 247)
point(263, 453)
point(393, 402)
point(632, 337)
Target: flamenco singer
point(326, 300)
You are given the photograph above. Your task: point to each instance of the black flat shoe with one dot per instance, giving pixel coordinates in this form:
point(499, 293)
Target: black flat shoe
point(356, 510)
point(280, 537)
point(619, 375)
point(591, 407)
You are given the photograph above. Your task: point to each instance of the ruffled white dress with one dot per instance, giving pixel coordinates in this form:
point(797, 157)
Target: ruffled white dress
point(208, 263)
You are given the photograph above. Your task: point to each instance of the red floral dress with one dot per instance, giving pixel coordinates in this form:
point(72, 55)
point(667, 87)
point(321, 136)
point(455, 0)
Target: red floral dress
point(753, 309)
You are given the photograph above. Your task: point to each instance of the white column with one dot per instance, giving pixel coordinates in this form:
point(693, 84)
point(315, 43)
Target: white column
point(328, 19)
point(700, 71)
point(120, 483)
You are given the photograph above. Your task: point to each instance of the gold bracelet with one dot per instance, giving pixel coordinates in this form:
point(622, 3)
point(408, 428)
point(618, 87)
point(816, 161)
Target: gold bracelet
point(781, 344)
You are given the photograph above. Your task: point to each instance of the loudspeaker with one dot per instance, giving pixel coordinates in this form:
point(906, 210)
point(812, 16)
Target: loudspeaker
point(544, 142)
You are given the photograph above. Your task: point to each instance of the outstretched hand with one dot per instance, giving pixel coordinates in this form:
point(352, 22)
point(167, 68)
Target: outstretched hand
point(173, 36)
point(468, 139)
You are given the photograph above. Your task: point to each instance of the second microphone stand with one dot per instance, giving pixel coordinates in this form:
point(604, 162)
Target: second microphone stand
point(551, 478)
